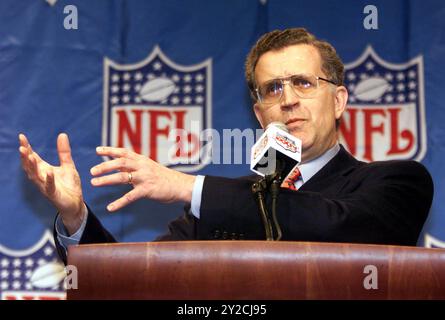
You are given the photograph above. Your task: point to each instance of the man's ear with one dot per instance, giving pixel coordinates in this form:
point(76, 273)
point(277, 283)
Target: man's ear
point(341, 99)
point(259, 116)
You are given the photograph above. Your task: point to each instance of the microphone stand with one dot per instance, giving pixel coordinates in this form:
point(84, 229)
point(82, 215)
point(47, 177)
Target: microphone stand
point(259, 188)
point(274, 191)
point(270, 183)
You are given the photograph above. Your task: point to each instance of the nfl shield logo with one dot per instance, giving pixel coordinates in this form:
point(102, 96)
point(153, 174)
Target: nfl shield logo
point(32, 274)
point(385, 117)
point(159, 109)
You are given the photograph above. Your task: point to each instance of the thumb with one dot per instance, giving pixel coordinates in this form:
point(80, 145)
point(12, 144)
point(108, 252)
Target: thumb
point(64, 150)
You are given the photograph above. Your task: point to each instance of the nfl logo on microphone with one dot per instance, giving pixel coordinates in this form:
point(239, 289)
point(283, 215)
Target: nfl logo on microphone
point(385, 117)
point(158, 108)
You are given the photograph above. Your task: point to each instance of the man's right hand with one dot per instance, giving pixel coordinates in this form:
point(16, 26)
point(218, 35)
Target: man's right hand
point(61, 185)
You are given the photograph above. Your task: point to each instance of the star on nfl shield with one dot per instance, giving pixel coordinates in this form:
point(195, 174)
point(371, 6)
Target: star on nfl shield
point(385, 116)
point(32, 274)
point(159, 109)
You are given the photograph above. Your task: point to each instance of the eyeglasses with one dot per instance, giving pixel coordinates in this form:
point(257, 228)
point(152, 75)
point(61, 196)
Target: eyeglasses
point(303, 85)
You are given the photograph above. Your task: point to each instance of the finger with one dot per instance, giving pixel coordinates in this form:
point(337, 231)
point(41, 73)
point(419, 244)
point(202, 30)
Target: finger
point(23, 151)
point(24, 144)
point(23, 140)
point(26, 149)
point(35, 172)
point(121, 164)
point(128, 198)
point(112, 179)
point(50, 185)
point(64, 150)
point(26, 163)
point(30, 168)
point(31, 164)
point(24, 155)
point(116, 152)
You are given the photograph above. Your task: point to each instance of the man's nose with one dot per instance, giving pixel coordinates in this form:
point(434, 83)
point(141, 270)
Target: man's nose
point(289, 98)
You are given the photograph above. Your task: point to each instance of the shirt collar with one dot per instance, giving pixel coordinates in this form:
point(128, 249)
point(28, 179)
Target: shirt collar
point(309, 169)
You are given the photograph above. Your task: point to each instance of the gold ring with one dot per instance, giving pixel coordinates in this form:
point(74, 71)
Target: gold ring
point(130, 178)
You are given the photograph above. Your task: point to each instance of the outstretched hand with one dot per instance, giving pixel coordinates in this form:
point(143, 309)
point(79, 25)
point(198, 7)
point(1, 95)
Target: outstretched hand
point(60, 184)
point(148, 178)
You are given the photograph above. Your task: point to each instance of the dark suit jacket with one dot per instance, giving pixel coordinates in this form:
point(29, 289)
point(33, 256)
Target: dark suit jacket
point(383, 202)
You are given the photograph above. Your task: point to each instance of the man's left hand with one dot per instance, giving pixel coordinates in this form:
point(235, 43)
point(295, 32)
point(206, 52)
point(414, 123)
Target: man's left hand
point(148, 178)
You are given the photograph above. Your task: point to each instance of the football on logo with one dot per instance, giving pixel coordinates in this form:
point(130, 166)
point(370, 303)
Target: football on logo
point(47, 276)
point(371, 89)
point(157, 89)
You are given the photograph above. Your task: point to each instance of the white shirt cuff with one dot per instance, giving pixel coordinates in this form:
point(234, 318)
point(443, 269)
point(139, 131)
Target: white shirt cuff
point(62, 235)
point(195, 205)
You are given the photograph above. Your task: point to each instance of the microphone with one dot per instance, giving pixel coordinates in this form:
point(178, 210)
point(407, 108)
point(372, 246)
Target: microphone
point(273, 157)
point(277, 152)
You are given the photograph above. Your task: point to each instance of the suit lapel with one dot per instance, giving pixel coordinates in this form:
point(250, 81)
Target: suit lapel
point(332, 176)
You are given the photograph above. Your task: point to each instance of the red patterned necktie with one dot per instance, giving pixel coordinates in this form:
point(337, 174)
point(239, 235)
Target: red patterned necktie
point(289, 182)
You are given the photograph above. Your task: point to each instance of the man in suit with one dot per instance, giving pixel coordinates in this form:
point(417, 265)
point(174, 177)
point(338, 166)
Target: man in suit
point(296, 79)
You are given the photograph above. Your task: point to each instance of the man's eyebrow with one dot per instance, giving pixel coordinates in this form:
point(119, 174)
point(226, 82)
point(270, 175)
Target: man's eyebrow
point(287, 76)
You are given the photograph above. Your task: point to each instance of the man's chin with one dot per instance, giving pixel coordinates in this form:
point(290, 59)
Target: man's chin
point(306, 150)
point(299, 135)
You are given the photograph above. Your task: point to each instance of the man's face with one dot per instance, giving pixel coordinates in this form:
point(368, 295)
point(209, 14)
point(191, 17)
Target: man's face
point(312, 120)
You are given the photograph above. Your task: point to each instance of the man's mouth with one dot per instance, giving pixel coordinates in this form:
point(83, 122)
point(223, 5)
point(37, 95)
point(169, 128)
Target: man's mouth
point(294, 122)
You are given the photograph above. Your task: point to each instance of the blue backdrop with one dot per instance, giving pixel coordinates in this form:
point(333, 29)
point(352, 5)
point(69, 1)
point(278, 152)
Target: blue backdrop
point(54, 79)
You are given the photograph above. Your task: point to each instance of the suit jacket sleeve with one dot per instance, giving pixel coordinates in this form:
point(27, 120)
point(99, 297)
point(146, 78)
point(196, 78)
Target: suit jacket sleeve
point(381, 202)
point(94, 233)
point(183, 228)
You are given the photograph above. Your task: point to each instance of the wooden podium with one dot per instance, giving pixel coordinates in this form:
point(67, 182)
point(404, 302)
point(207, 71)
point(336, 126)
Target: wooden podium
point(256, 270)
